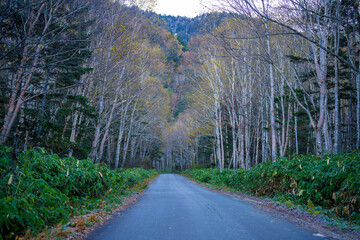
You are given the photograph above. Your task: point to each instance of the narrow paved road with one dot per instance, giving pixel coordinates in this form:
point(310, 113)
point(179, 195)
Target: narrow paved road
point(175, 208)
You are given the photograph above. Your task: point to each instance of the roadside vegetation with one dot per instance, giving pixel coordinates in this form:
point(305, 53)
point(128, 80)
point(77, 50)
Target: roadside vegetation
point(124, 87)
point(47, 190)
point(329, 185)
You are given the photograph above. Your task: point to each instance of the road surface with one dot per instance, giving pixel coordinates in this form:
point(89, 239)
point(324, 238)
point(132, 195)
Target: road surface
point(177, 209)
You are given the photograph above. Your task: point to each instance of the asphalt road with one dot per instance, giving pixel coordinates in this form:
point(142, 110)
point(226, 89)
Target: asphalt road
point(175, 208)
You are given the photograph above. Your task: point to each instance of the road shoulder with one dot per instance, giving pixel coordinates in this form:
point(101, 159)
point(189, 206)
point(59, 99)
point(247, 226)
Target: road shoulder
point(100, 217)
point(294, 215)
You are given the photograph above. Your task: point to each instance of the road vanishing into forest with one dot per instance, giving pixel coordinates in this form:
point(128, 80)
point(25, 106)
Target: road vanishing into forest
point(178, 209)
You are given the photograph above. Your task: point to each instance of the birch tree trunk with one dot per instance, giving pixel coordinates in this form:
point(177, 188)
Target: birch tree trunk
point(296, 130)
point(282, 140)
point(264, 125)
point(120, 135)
point(272, 96)
point(247, 139)
point(93, 154)
point(218, 137)
point(108, 124)
point(128, 136)
point(222, 155)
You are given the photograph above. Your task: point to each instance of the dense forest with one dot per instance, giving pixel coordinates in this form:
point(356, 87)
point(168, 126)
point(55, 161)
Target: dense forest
point(121, 85)
point(127, 87)
point(270, 81)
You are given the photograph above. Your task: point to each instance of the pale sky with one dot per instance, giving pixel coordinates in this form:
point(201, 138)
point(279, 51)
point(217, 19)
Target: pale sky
point(188, 8)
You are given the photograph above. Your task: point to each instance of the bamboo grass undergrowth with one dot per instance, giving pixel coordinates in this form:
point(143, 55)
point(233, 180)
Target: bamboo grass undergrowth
point(45, 190)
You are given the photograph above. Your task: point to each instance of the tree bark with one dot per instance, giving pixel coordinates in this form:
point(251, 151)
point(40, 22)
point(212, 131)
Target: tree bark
point(126, 144)
point(272, 97)
point(337, 115)
point(120, 135)
point(358, 107)
point(296, 130)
